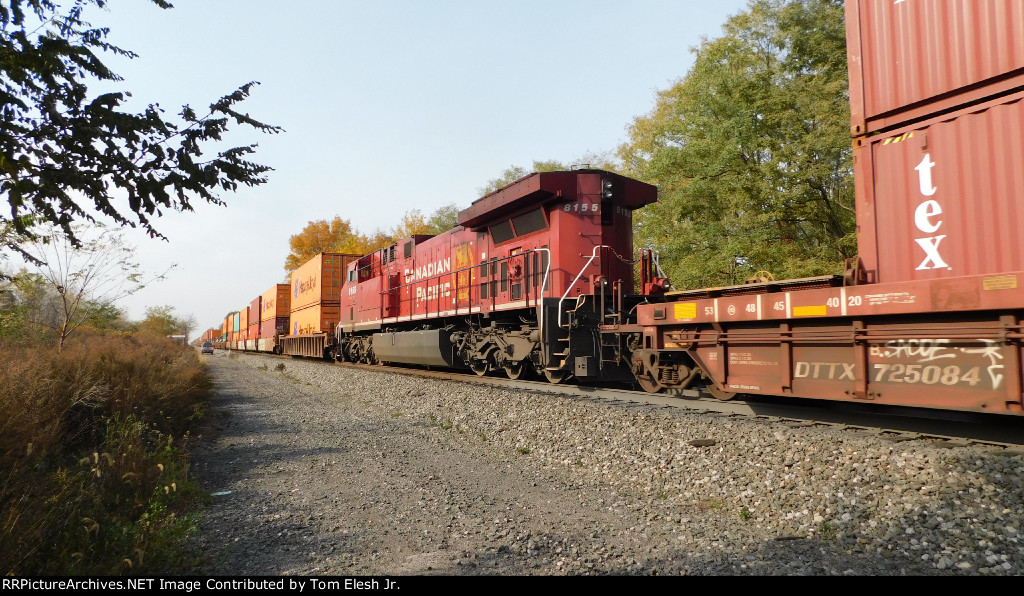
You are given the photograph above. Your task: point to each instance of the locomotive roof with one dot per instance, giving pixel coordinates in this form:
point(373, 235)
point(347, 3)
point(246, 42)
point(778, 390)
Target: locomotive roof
point(541, 186)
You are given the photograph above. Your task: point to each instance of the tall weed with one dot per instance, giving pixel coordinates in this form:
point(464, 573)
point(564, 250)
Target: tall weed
point(93, 465)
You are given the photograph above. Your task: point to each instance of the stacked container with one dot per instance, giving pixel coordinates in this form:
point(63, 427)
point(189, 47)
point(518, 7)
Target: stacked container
point(937, 100)
point(243, 327)
point(316, 293)
point(253, 334)
point(275, 307)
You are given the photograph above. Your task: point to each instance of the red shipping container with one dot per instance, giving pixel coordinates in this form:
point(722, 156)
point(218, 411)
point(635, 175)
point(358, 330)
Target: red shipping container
point(275, 326)
point(254, 332)
point(255, 309)
point(915, 58)
point(943, 198)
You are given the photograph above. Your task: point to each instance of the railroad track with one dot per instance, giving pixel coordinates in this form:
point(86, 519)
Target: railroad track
point(898, 424)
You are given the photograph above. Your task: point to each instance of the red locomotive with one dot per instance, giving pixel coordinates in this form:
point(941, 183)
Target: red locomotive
point(521, 285)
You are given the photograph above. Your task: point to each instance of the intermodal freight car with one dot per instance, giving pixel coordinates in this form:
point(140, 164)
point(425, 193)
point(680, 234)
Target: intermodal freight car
point(538, 277)
point(930, 313)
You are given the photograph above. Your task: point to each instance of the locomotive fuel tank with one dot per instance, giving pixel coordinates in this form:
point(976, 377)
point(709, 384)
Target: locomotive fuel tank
point(426, 348)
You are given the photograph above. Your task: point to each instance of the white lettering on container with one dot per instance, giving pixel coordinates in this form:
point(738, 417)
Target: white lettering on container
point(925, 218)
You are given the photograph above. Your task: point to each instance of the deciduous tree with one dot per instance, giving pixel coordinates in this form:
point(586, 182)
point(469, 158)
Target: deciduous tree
point(83, 279)
point(751, 152)
point(338, 235)
point(320, 236)
point(445, 218)
point(67, 153)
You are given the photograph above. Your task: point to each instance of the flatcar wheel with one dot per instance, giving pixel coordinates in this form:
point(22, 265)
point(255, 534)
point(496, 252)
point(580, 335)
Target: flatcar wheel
point(720, 393)
point(516, 370)
point(648, 384)
point(556, 377)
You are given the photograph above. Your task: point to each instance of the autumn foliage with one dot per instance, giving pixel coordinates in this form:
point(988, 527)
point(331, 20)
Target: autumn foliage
point(338, 235)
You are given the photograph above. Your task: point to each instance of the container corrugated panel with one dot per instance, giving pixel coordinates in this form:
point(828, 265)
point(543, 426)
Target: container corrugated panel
point(911, 59)
point(243, 319)
point(255, 309)
point(319, 279)
point(276, 302)
point(944, 198)
point(235, 322)
point(254, 330)
point(318, 318)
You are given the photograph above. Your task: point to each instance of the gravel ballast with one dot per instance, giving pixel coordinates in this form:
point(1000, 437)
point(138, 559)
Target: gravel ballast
point(324, 470)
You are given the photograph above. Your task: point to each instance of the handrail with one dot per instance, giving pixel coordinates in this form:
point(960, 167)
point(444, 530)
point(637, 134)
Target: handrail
point(578, 276)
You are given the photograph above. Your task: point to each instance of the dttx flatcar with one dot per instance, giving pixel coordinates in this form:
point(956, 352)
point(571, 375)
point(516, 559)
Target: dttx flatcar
point(930, 313)
point(538, 277)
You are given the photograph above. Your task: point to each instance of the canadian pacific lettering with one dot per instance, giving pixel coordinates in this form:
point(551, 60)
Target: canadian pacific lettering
point(429, 270)
point(433, 292)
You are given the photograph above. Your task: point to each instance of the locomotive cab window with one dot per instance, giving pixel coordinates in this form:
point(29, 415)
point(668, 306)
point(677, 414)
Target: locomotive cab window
point(502, 232)
point(529, 222)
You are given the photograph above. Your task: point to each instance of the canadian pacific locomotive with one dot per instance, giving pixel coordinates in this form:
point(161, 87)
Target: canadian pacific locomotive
point(538, 277)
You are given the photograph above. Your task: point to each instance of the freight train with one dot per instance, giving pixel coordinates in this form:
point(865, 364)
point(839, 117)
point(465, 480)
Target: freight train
point(538, 277)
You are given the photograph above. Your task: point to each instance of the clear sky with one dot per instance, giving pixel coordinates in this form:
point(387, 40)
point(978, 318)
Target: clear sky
point(387, 106)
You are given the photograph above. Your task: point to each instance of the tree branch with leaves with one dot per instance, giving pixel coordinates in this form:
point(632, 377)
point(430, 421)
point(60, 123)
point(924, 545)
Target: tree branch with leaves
point(67, 154)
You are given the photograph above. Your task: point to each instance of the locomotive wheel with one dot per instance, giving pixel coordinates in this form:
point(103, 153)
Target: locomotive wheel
point(556, 377)
point(516, 370)
point(720, 393)
point(479, 367)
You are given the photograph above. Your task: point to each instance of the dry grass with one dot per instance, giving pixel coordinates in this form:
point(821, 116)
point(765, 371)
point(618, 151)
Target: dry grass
point(93, 474)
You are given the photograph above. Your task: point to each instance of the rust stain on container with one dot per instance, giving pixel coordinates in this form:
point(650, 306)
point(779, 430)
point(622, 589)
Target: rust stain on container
point(913, 58)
